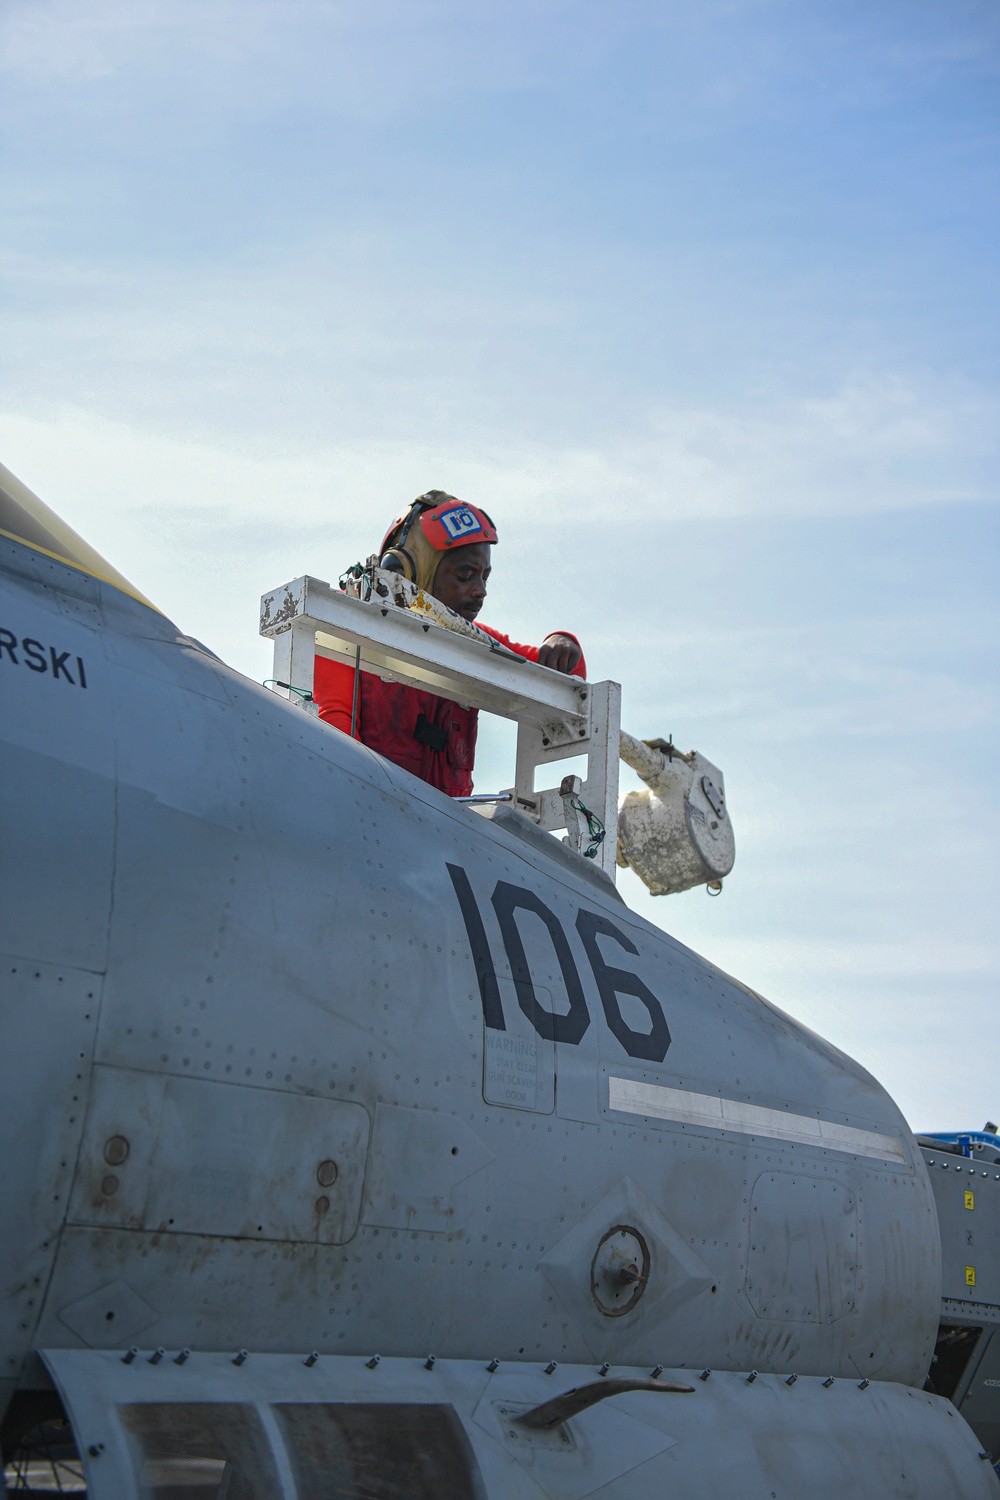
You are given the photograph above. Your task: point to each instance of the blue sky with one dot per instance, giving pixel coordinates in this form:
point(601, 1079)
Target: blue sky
point(698, 299)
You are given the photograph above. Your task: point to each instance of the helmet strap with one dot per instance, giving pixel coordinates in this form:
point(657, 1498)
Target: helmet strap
point(405, 529)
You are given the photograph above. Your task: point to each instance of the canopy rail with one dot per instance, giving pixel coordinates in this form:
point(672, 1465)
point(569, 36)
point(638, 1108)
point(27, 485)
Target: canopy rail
point(675, 834)
point(405, 635)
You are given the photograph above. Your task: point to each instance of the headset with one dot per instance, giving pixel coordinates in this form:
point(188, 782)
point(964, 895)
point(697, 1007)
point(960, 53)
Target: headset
point(445, 521)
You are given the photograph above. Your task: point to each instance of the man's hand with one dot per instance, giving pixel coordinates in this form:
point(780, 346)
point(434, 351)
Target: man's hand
point(560, 652)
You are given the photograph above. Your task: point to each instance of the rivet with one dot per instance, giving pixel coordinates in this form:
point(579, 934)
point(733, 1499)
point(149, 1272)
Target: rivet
point(493, 1366)
point(156, 1356)
point(430, 1362)
point(371, 1363)
point(657, 1372)
point(551, 1367)
point(828, 1382)
point(322, 1205)
point(240, 1357)
point(326, 1173)
point(704, 1374)
point(116, 1149)
point(109, 1185)
point(183, 1357)
point(863, 1385)
point(129, 1356)
point(311, 1359)
point(791, 1379)
point(751, 1377)
point(604, 1369)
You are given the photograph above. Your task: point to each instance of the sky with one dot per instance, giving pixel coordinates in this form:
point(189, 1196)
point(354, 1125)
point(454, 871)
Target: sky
point(698, 299)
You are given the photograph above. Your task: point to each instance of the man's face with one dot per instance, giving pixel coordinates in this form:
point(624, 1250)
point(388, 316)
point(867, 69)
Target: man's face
point(460, 580)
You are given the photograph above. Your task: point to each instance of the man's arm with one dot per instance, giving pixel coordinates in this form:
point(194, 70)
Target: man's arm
point(333, 687)
point(560, 650)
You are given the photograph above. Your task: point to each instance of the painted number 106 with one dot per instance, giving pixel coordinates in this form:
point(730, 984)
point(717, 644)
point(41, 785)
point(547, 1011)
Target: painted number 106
point(611, 982)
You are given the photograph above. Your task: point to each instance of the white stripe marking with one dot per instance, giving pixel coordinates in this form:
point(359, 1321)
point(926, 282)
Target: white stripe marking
point(631, 1097)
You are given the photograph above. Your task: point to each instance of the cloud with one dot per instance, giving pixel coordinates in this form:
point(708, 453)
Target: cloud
point(373, 408)
point(726, 62)
point(928, 958)
point(866, 679)
point(250, 509)
point(887, 1005)
point(371, 61)
point(874, 444)
point(60, 40)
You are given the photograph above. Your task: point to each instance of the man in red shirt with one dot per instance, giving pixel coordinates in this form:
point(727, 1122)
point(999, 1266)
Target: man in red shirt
point(444, 546)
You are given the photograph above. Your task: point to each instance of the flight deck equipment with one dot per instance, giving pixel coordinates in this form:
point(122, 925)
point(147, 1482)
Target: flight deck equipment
point(675, 833)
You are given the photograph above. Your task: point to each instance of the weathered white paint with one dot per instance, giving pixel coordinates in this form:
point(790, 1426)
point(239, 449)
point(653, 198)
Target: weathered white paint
point(677, 834)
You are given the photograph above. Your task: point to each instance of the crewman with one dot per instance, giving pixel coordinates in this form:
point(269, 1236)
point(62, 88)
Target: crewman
point(444, 546)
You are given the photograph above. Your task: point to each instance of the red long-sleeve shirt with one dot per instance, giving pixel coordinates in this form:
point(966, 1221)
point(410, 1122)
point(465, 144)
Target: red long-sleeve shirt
point(428, 736)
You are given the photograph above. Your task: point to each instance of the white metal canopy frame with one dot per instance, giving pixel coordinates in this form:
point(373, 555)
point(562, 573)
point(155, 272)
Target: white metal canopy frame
point(675, 835)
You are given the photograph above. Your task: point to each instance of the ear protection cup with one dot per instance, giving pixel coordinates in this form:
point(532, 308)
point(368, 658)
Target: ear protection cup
point(398, 560)
point(400, 528)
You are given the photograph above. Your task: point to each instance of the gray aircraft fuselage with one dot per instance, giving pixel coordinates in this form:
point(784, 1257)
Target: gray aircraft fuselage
point(298, 1054)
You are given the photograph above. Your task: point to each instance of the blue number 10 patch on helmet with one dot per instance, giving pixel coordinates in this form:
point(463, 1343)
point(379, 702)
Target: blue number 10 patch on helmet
point(460, 522)
point(456, 524)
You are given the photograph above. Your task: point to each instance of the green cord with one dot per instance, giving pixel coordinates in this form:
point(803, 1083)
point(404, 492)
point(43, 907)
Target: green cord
point(303, 693)
point(595, 827)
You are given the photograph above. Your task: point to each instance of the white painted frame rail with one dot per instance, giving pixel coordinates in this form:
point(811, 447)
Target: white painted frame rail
point(557, 716)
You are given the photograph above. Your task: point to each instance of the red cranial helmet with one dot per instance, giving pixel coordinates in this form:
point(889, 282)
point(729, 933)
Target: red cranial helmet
point(435, 522)
point(454, 524)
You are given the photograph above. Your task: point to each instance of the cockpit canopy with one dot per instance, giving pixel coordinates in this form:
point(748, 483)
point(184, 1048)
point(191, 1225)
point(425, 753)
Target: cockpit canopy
point(25, 518)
